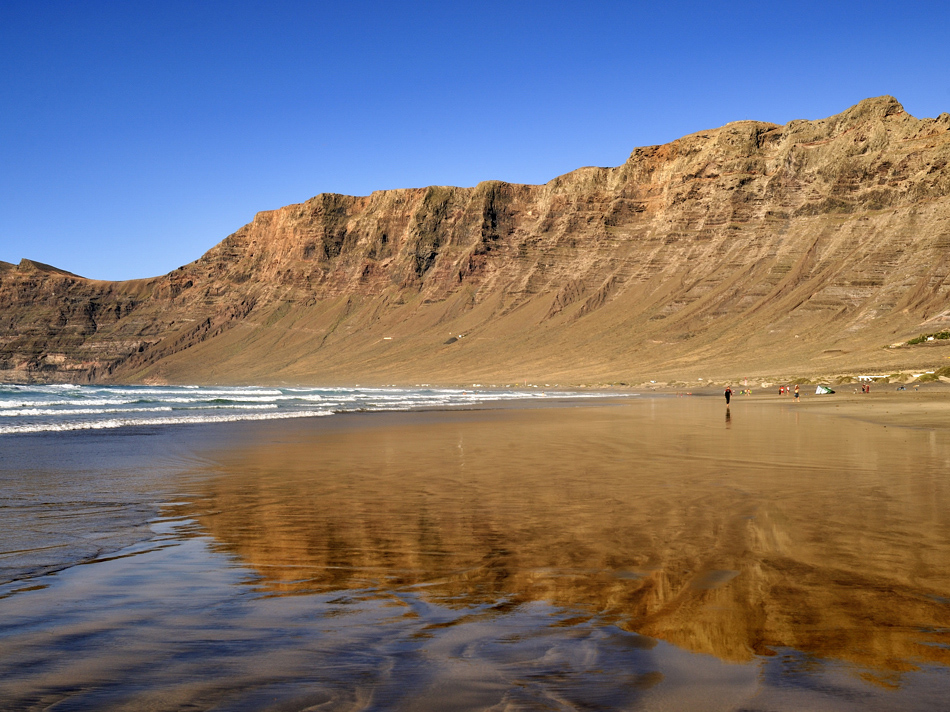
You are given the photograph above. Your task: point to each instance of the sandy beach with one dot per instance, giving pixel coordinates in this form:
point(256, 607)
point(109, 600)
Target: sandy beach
point(637, 553)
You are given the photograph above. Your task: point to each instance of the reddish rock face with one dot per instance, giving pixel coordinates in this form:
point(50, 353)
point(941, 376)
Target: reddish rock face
point(745, 250)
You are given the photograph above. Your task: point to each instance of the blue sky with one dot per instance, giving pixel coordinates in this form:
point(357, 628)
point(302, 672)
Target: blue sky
point(135, 136)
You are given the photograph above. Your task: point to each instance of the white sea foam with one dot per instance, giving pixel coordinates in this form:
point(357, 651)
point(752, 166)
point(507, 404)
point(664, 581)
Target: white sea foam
point(26, 412)
point(233, 406)
point(80, 411)
point(125, 422)
point(244, 390)
point(76, 401)
point(72, 407)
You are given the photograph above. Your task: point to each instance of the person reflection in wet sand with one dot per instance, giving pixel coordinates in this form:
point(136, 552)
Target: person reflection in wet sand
point(728, 418)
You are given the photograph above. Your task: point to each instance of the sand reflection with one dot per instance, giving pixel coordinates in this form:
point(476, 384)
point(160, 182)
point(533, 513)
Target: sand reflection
point(783, 530)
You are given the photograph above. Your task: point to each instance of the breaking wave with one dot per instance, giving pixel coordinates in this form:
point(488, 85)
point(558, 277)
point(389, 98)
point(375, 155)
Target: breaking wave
point(54, 408)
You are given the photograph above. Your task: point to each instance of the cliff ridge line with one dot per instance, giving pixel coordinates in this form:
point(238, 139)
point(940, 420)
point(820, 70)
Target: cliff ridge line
point(750, 248)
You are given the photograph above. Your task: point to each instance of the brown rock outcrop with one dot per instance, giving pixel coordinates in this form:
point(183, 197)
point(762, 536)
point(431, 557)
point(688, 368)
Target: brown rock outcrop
point(749, 249)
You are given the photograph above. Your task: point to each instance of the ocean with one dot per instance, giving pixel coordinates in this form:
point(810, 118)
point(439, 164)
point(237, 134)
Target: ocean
point(58, 408)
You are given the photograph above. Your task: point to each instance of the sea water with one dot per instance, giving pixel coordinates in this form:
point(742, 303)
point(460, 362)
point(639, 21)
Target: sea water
point(44, 408)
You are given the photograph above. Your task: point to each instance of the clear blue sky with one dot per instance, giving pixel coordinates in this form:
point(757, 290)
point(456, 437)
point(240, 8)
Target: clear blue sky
point(134, 136)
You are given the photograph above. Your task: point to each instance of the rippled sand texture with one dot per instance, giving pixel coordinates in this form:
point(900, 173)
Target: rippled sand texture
point(769, 529)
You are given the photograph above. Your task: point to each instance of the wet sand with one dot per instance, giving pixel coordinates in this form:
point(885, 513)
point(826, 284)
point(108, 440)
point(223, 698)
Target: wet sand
point(644, 554)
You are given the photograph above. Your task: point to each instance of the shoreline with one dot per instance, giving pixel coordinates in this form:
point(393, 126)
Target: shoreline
point(31, 409)
point(928, 408)
point(611, 383)
point(626, 523)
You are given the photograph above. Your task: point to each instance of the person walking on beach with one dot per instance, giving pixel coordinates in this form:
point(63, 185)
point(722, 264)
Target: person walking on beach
point(728, 394)
point(796, 393)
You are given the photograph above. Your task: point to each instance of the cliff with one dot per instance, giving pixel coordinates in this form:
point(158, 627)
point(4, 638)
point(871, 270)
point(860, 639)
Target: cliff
point(751, 249)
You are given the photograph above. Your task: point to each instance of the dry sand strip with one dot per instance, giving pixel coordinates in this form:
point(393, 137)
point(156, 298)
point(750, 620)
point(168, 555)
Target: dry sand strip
point(928, 409)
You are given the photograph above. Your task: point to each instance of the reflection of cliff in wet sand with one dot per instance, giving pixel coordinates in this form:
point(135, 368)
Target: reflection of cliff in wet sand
point(789, 529)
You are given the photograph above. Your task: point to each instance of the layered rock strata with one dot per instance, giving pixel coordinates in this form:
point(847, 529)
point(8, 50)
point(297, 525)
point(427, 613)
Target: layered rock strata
point(751, 249)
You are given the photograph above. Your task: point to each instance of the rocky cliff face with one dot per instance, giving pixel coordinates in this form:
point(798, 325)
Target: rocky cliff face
point(751, 249)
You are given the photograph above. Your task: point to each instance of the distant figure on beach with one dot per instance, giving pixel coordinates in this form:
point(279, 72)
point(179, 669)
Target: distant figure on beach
point(728, 394)
point(796, 393)
point(781, 390)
